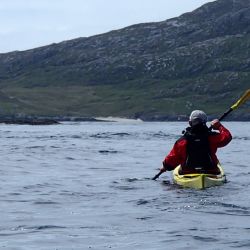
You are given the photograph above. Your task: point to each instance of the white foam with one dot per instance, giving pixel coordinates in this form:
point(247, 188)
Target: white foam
point(117, 119)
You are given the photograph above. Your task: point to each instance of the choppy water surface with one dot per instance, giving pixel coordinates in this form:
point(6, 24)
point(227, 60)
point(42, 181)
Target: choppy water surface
point(88, 186)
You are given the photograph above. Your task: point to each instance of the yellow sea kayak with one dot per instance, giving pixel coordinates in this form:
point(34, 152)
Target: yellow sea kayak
point(199, 181)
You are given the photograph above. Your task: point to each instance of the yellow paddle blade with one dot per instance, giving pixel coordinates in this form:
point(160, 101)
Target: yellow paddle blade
point(244, 98)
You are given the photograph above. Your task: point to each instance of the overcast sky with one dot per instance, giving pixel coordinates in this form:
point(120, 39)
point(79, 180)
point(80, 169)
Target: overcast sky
point(26, 24)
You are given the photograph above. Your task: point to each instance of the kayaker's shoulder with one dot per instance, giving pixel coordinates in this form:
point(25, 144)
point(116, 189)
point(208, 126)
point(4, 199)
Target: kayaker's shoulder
point(188, 135)
point(181, 140)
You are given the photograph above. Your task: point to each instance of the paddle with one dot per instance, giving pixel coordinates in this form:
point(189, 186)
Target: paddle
point(158, 175)
point(243, 99)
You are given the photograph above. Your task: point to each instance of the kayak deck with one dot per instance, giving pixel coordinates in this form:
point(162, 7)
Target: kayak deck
point(199, 181)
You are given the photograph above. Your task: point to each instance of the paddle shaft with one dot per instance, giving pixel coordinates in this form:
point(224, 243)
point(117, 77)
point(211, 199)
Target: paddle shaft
point(243, 99)
point(157, 176)
point(225, 114)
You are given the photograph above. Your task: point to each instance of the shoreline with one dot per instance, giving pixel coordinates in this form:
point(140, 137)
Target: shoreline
point(53, 120)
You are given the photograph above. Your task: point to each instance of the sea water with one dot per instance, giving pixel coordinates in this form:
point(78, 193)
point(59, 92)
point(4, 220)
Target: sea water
point(88, 186)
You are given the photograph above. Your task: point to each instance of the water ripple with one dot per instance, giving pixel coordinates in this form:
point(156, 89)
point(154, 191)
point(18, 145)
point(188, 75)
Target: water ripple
point(108, 151)
point(87, 185)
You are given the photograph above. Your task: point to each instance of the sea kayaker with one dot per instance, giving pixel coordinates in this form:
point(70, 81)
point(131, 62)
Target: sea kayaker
point(196, 150)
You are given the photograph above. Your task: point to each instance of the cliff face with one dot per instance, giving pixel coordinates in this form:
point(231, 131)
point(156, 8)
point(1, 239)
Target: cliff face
point(159, 69)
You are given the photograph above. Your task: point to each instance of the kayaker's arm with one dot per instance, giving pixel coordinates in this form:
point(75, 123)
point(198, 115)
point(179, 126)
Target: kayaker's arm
point(166, 167)
point(224, 137)
point(176, 156)
point(171, 161)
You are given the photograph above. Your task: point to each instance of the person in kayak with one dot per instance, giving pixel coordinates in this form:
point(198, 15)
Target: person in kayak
point(196, 150)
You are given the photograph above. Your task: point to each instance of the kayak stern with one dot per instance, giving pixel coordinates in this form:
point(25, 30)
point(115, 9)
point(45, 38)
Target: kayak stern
point(199, 181)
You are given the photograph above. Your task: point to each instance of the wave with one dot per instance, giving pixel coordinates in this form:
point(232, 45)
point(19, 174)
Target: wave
point(118, 119)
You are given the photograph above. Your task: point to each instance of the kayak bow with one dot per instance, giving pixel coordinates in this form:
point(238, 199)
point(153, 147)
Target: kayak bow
point(199, 181)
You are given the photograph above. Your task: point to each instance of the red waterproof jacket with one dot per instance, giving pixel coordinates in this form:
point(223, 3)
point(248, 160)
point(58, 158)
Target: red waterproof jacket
point(178, 154)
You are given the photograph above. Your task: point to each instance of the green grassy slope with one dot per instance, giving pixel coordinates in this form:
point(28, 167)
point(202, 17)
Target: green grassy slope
point(164, 70)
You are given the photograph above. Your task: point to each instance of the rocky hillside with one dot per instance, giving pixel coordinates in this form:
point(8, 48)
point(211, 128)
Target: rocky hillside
point(153, 71)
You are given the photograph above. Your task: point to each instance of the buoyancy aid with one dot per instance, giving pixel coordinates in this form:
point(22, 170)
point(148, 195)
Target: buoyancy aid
point(198, 150)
